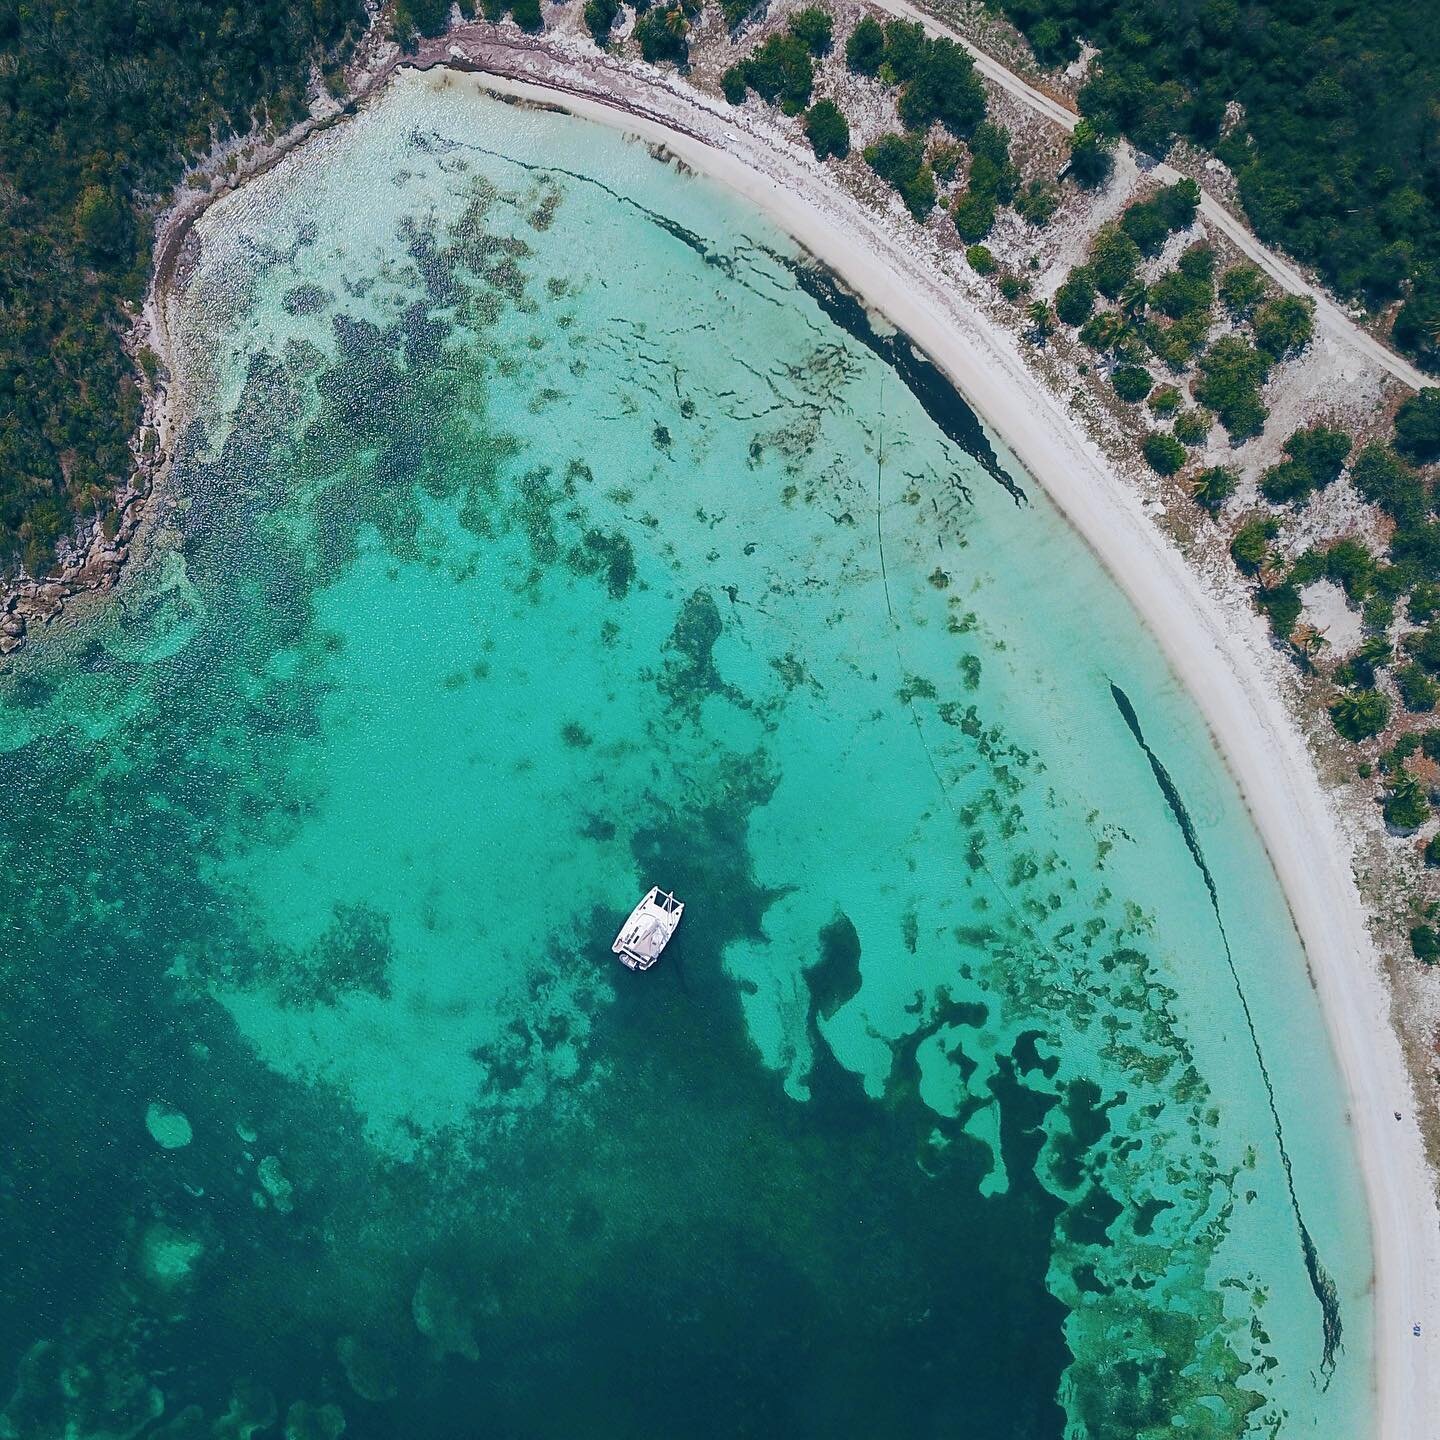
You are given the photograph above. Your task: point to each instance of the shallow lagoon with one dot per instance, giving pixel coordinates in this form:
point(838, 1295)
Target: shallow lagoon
point(538, 537)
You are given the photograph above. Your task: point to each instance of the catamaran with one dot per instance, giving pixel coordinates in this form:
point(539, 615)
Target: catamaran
point(648, 930)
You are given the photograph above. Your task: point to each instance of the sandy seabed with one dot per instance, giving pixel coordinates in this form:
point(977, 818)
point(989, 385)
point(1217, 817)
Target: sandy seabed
point(1226, 666)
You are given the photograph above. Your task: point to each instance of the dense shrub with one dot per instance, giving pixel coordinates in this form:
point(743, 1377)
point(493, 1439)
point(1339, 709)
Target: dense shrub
point(941, 85)
point(980, 260)
point(1283, 326)
point(100, 105)
point(1192, 426)
point(865, 49)
point(1114, 259)
point(1406, 807)
point(1075, 299)
point(600, 17)
point(974, 216)
point(1251, 545)
point(1231, 374)
point(1132, 383)
point(1213, 487)
point(828, 130)
point(1418, 692)
point(1242, 288)
point(1164, 401)
point(778, 71)
point(663, 34)
point(814, 28)
point(1149, 223)
point(1425, 944)
point(900, 159)
point(1316, 457)
point(1334, 148)
point(1417, 426)
point(1037, 203)
point(1350, 565)
point(1091, 156)
point(1359, 714)
point(1383, 478)
point(1281, 604)
point(1164, 453)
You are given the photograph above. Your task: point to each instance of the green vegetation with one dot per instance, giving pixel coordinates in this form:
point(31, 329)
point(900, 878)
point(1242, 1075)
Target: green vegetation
point(1425, 943)
point(900, 159)
point(600, 17)
point(1334, 153)
point(1114, 259)
point(1163, 453)
point(1092, 156)
point(865, 49)
point(1283, 326)
point(938, 77)
point(1385, 480)
point(1418, 692)
point(1417, 426)
point(99, 106)
point(1149, 223)
point(1281, 604)
point(1316, 457)
point(779, 72)
point(663, 34)
point(814, 28)
point(1406, 807)
point(1251, 546)
point(1231, 374)
point(1132, 383)
point(827, 129)
point(1037, 203)
point(1075, 299)
point(1360, 714)
point(992, 182)
point(1192, 426)
point(1351, 566)
point(980, 260)
point(1213, 487)
point(1189, 288)
point(1164, 401)
point(1242, 288)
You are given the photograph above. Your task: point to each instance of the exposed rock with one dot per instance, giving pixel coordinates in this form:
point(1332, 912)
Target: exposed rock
point(314, 1422)
point(168, 1127)
point(367, 1368)
point(276, 1186)
point(443, 1317)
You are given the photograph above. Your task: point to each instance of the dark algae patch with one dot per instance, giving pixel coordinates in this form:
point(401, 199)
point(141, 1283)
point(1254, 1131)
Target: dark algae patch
point(1320, 1282)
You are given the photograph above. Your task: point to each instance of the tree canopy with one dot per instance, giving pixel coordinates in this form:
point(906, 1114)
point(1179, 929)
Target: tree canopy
point(100, 104)
point(1335, 147)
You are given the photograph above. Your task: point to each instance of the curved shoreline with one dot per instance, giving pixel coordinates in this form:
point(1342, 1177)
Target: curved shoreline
point(1206, 648)
point(1221, 658)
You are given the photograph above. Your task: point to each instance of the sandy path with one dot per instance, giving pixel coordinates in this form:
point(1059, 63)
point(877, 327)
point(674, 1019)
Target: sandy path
point(1223, 658)
point(1327, 313)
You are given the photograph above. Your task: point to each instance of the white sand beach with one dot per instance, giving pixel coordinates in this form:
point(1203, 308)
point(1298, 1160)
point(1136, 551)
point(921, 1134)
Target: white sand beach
point(1216, 645)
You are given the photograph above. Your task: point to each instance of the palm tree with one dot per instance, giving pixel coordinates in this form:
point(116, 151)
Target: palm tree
point(1213, 487)
point(1042, 320)
point(1133, 299)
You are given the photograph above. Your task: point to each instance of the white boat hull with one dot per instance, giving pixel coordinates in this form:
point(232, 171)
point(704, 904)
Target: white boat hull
point(644, 936)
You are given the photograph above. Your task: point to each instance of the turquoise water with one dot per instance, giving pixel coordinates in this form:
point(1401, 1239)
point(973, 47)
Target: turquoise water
point(537, 537)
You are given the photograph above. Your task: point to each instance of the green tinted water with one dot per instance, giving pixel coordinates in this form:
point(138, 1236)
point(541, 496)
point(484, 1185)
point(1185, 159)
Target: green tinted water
point(537, 539)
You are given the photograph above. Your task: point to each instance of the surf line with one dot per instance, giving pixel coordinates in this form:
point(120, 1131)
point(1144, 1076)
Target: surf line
point(1320, 1281)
